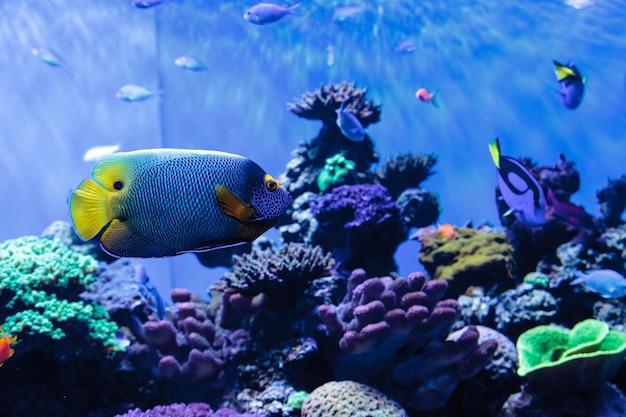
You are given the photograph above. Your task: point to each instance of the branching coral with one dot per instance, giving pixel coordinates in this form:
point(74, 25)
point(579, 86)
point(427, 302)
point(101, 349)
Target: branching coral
point(283, 272)
point(322, 103)
point(40, 283)
point(388, 332)
point(405, 171)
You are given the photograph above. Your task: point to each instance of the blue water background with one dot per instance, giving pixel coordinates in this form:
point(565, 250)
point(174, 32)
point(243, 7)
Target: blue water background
point(490, 59)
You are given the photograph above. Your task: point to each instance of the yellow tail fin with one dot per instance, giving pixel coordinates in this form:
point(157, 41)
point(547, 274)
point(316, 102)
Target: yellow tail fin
point(494, 148)
point(90, 209)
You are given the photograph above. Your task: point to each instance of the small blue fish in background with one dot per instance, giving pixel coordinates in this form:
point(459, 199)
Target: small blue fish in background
point(147, 4)
point(342, 14)
point(571, 84)
point(133, 93)
point(149, 292)
point(520, 190)
point(604, 282)
point(189, 63)
point(50, 57)
point(405, 47)
point(264, 13)
point(349, 124)
point(96, 153)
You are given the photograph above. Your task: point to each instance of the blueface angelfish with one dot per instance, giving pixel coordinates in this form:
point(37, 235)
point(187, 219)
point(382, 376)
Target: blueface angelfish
point(520, 190)
point(164, 202)
point(605, 282)
point(571, 84)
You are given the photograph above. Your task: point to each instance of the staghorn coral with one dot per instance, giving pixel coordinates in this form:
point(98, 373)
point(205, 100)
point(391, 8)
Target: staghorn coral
point(470, 258)
point(405, 171)
point(388, 333)
point(360, 225)
point(278, 273)
point(349, 398)
point(40, 283)
point(321, 104)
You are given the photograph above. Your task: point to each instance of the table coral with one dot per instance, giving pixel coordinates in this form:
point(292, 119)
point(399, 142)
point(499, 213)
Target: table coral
point(40, 283)
point(389, 331)
point(470, 258)
point(580, 359)
point(360, 225)
point(349, 398)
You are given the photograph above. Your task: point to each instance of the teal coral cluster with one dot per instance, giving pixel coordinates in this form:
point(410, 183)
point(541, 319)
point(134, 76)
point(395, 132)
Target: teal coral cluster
point(40, 284)
point(337, 171)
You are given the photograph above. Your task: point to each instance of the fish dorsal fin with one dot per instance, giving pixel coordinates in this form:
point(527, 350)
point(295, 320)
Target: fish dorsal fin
point(562, 71)
point(494, 148)
point(232, 206)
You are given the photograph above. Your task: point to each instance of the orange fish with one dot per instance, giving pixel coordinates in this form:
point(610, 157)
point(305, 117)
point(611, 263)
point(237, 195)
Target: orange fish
point(446, 230)
point(5, 346)
point(427, 97)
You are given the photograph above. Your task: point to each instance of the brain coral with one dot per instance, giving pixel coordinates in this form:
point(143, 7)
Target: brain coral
point(348, 398)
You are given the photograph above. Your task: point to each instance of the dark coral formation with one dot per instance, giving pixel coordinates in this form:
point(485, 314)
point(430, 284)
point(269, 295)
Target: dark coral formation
point(322, 104)
point(185, 410)
point(612, 200)
point(388, 332)
point(360, 225)
point(418, 208)
point(405, 171)
point(278, 273)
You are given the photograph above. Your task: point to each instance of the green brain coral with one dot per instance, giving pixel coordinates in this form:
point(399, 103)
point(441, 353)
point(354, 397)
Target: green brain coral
point(579, 359)
point(336, 171)
point(40, 283)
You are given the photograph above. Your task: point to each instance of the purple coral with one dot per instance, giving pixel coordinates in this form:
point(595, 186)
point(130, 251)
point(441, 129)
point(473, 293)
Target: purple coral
point(185, 410)
point(389, 334)
point(360, 225)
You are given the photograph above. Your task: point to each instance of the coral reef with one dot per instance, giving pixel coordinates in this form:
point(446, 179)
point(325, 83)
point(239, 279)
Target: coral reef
point(418, 208)
point(470, 258)
point(612, 200)
point(185, 410)
point(40, 283)
point(360, 225)
point(388, 334)
point(349, 398)
point(405, 171)
point(282, 274)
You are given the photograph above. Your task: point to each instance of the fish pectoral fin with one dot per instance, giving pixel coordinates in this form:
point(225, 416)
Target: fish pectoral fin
point(90, 209)
point(119, 240)
point(232, 206)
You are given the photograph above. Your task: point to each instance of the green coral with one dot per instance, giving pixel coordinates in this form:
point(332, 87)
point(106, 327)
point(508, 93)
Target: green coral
point(470, 258)
point(537, 280)
point(40, 283)
point(579, 359)
point(296, 399)
point(337, 170)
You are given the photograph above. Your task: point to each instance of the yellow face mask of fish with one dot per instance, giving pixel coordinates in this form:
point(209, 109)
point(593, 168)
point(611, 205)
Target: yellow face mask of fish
point(163, 202)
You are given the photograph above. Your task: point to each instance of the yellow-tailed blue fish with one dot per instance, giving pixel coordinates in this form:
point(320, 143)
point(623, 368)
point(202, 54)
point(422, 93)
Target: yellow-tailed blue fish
point(163, 202)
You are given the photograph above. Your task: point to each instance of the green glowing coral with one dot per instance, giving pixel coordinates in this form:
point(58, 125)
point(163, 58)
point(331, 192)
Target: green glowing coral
point(40, 283)
point(580, 359)
point(337, 171)
point(296, 399)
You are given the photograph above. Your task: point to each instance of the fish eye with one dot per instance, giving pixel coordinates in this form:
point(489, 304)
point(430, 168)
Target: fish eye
point(118, 185)
point(271, 185)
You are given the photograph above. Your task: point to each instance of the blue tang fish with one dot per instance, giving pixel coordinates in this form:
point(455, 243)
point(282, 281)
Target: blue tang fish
point(349, 124)
point(263, 13)
point(520, 190)
point(571, 84)
point(164, 202)
point(605, 282)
